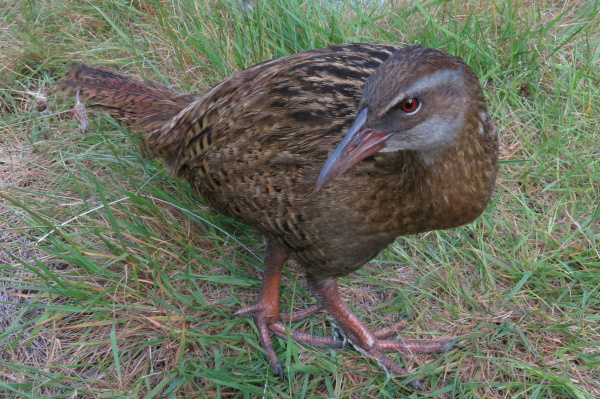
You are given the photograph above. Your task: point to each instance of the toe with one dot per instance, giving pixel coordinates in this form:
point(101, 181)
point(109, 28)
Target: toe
point(246, 311)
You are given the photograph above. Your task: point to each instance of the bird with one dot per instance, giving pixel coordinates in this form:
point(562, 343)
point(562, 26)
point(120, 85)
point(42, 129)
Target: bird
point(330, 154)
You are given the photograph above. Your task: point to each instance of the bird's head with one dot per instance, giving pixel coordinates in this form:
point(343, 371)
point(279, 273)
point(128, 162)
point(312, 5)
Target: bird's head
point(417, 100)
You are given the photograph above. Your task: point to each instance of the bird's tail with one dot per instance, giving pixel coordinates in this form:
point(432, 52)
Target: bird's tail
point(142, 107)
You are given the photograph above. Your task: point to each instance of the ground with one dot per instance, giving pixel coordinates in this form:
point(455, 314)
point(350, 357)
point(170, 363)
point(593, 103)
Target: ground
point(116, 281)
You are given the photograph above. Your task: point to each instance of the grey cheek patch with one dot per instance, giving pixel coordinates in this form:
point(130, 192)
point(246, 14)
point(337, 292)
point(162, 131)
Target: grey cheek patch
point(433, 134)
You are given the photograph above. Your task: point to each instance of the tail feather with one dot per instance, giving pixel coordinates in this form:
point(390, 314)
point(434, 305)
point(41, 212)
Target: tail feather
point(141, 107)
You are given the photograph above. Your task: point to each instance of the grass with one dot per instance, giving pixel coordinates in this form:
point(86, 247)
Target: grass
point(116, 281)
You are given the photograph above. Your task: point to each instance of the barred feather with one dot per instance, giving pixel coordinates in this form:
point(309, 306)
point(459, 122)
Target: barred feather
point(139, 106)
point(253, 146)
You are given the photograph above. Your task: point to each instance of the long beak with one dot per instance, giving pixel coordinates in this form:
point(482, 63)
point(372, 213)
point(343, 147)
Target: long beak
point(358, 144)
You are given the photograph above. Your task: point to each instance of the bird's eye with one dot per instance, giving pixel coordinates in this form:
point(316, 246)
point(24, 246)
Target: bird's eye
point(410, 106)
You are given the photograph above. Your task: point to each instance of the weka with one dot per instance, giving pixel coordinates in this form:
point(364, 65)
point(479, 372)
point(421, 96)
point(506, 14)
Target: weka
point(416, 151)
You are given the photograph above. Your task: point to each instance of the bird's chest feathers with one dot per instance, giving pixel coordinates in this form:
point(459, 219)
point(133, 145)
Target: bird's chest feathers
point(441, 196)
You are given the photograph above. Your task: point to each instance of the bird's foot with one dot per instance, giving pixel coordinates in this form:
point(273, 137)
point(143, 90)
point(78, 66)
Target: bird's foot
point(376, 344)
point(266, 312)
point(373, 344)
point(270, 323)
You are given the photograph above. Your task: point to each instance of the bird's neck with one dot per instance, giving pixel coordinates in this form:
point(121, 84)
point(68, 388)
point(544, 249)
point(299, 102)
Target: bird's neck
point(444, 189)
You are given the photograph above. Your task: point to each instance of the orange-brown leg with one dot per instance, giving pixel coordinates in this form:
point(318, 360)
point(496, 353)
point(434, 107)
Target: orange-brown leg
point(269, 321)
point(374, 344)
point(266, 312)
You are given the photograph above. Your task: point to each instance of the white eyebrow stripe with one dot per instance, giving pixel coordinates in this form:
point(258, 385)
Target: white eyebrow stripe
point(446, 76)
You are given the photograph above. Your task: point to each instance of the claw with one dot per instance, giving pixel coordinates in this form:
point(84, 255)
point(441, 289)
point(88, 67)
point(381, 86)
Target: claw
point(454, 345)
point(278, 371)
point(416, 384)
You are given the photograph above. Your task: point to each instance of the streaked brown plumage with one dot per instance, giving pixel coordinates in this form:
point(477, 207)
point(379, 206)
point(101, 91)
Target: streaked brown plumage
point(255, 145)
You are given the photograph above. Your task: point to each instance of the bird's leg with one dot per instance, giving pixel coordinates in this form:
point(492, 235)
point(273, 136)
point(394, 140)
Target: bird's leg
point(374, 344)
point(266, 312)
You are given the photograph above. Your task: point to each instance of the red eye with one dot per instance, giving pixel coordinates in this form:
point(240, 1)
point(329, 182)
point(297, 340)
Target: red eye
point(410, 105)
